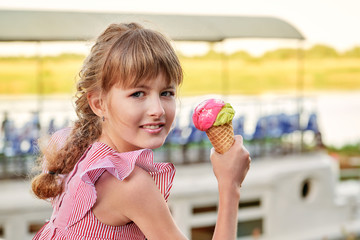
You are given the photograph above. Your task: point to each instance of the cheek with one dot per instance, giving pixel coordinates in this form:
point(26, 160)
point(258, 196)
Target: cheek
point(170, 111)
point(122, 115)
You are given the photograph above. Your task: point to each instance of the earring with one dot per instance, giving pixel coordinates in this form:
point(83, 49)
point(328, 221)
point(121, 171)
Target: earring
point(103, 118)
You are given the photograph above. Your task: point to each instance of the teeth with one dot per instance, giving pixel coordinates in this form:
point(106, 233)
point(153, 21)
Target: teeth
point(152, 126)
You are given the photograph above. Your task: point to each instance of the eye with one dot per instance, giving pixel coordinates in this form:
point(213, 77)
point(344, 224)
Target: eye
point(168, 93)
point(137, 94)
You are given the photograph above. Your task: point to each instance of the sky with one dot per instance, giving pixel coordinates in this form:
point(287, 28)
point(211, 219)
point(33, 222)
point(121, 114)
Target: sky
point(330, 22)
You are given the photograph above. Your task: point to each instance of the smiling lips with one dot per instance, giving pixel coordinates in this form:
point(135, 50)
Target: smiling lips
point(153, 128)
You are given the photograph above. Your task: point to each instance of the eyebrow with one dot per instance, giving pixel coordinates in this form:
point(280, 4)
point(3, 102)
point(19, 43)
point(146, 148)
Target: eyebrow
point(141, 86)
point(148, 87)
point(170, 87)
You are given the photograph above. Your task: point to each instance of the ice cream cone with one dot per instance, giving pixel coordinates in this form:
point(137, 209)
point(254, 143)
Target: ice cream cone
point(215, 117)
point(221, 137)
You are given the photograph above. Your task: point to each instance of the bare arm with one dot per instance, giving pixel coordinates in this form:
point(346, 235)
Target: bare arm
point(230, 170)
point(138, 199)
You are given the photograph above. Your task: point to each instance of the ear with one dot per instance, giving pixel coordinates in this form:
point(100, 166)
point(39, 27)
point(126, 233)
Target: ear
point(96, 103)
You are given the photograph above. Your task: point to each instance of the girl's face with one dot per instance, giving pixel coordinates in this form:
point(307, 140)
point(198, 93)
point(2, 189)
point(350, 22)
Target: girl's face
point(139, 117)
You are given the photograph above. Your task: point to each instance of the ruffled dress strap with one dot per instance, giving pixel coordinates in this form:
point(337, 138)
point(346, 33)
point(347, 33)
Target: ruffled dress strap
point(101, 158)
point(59, 138)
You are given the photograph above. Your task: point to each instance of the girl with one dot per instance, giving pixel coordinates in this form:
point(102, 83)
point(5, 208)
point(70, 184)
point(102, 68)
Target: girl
point(100, 175)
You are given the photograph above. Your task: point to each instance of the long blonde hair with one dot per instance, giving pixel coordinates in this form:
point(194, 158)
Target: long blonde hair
point(123, 54)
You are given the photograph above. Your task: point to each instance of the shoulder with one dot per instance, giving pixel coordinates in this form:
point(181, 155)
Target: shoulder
point(138, 199)
point(136, 182)
point(124, 198)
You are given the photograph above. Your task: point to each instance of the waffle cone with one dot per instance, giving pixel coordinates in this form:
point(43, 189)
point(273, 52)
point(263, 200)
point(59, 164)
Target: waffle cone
point(221, 137)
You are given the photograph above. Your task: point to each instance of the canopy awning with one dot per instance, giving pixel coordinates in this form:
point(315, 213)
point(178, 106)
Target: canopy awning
point(29, 25)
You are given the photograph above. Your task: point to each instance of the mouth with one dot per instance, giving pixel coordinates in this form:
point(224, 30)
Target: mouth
point(153, 127)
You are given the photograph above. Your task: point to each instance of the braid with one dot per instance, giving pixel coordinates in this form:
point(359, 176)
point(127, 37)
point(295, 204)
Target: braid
point(85, 131)
point(47, 185)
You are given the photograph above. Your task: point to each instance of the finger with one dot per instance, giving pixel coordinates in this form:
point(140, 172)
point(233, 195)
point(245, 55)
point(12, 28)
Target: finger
point(239, 138)
point(212, 151)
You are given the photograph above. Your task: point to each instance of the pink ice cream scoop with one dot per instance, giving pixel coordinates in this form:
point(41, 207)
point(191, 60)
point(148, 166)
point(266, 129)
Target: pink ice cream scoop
point(206, 112)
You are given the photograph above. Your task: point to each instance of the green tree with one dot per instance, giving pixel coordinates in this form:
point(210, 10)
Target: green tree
point(353, 53)
point(212, 54)
point(242, 55)
point(321, 51)
point(281, 54)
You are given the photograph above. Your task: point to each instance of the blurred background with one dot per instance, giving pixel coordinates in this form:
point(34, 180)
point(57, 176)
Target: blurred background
point(297, 103)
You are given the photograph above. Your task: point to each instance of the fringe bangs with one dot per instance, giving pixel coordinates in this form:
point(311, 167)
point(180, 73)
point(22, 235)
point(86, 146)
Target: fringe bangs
point(138, 56)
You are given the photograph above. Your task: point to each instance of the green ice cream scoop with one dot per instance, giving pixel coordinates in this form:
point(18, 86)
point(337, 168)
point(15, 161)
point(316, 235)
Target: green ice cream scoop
point(225, 115)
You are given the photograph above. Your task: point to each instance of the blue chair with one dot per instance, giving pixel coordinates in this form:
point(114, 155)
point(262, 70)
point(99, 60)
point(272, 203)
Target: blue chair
point(30, 133)
point(260, 129)
point(312, 124)
point(12, 139)
point(238, 125)
point(273, 127)
point(289, 123)
point(51, 127)
point(174, 136)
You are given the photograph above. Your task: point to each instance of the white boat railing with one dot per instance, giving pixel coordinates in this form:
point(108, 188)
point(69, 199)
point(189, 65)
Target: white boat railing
point(291, 197)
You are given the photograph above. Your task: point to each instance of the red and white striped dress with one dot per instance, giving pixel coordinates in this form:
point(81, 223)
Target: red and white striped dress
point(72, 217)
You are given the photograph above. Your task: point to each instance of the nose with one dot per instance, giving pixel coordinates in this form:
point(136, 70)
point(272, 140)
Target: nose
point(156, 108)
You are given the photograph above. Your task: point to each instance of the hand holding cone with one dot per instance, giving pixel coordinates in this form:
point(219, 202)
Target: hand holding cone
point(215, 118)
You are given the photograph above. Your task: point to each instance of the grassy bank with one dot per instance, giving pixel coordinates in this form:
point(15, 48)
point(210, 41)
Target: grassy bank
point(202, 75)
point(47, 75)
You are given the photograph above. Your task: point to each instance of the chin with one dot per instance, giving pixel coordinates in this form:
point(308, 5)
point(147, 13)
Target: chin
point(155, 145)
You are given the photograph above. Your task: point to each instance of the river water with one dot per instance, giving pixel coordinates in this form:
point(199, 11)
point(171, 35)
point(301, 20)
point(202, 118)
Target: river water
point(338, 112)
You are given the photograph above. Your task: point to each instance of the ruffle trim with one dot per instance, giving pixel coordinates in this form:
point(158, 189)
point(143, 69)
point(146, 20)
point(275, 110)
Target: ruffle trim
point(120, 165)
